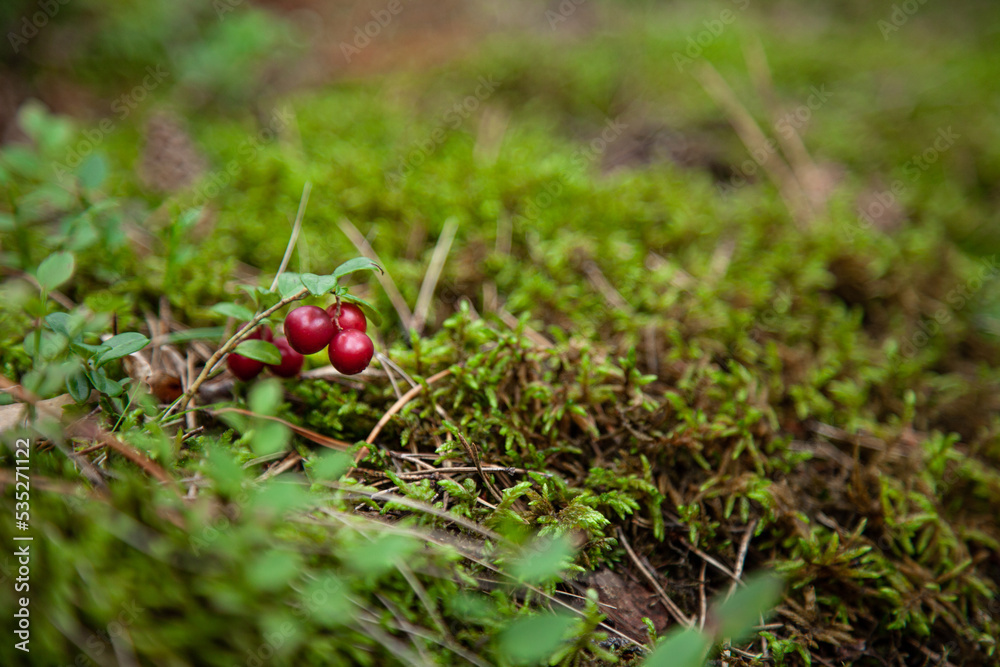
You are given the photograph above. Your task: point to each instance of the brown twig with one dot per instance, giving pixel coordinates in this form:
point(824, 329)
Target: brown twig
point(292, 459)
point(90, 431)
point(433, 274)
point(711, 561)
point(755, 141)
point(396, 407)
point(702, 599)
point(229, 345)
point(670, 605)
point(473, 453)
point(741, 556)
point(792, 148)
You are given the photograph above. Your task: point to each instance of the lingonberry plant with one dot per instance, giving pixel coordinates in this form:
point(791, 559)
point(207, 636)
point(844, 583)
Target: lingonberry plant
point(307, 328)
point(71, 349)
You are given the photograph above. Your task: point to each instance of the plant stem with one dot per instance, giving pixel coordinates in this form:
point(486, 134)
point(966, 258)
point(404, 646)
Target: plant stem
point(221, 353)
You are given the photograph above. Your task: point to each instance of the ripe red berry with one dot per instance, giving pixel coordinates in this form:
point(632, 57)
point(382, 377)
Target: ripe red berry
point(291, 361)
point(351, 351)
point(242, 367)
point(351, 317)
point(309, 329)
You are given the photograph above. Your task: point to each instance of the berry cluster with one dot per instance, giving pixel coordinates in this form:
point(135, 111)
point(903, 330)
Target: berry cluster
point(309, 329)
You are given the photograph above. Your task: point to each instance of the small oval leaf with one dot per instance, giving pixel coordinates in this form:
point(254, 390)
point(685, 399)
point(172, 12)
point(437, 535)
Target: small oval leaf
point(58, 322)
point(122, 345)
point(103, 383)
point(55, 270)
point(289, 284)
point(318, 284)
point(78, 386)
point(356, 264)
point(259, 350)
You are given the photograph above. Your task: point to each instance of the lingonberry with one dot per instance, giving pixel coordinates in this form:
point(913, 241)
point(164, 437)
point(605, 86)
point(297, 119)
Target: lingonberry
point(309, 329)
point(351, 351)
point(351, 317)
point(242, 367)
point(291, 361)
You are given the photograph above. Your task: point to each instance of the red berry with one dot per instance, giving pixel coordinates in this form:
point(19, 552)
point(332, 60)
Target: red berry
point(351, 317)
point(242, 367)
point(291, 361)
point(263, 332)
point(309, 329)
point(351, 351)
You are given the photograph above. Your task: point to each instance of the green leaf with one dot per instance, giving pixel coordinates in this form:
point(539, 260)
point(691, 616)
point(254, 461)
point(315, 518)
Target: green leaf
point(87, 349)
point(331, 465)
point(274, 499)
point(78, 386)
point(356, 264)
point(737, 615)
point(272, 569)
point(380, 555)
point(289, 284)
point(50, 345)
point(261, 350)
point(121, 345)
point(531, 639)
point(681, 648)
point(265, 397)
point(58, 322)
point(327, 602)
point(318, 284)
point(93, 171)
point(543, 559)
point(103, 383)
point(234, 310)
point(189, 218)
point(223, 469)
point(269, 437)
point(55, 270)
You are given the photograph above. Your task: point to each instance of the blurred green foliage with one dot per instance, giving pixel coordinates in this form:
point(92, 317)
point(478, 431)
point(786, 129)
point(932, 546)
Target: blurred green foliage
point(710, 367)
